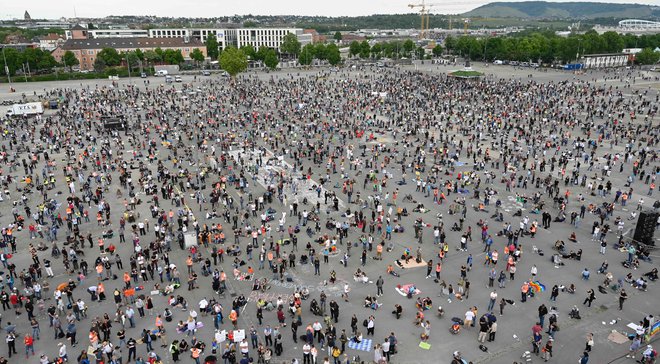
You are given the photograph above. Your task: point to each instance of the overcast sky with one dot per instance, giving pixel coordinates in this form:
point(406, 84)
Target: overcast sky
point(208, 8)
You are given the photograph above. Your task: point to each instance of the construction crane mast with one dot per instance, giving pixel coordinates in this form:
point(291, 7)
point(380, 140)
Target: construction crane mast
point(424, 19)
point(425, 16)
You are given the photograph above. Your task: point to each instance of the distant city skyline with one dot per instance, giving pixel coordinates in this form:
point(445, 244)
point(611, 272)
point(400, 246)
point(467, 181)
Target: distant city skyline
point(42, 9)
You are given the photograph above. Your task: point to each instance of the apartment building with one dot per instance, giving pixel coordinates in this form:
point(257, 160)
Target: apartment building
point(86, 50)
point(225, 37)
point(256, 37)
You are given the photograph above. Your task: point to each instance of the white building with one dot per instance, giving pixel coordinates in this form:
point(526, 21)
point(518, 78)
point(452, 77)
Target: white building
point(225, 37)
point(117, 33)
point(268, 37)
point(256, 37)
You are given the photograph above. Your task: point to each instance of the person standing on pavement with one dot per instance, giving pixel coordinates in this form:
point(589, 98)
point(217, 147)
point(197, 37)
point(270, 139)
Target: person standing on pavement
point(547, 349)
point(371, 325)
point(29, 345)
point(379, 286)
point(591, 296)
point(542, 312)
point(131, 344)
point(492, 300)
point(584, 359)
point(347, 289)
point(623, 296)
point(11, 343)
point(483, 329)
point(590, 343)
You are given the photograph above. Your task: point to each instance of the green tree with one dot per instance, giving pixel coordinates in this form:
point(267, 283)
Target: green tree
point(437, 50)
point(376, 50)
point(614, 43)
point(47, 62)
point(151, 57)
point(365, 49)
point(233, 60)
point(320, 51)
point(139, 54)
point(249, 51)
point(306, 55)
point(647, 56)
point(70, 60)
point(161, 54)
point(408, 47)
point(197, 55)
point(32, 56)
point(354, 48)
point(261, 54)
point(131, 59)
point(212, 47)
point(270, 59)
point(172, 56)
point(450, 43)
point(290, 45)
point(100, 65)
point(333, 54)
point(420, 53)
point(337, 36)
point(14, 60)
point(109, 56)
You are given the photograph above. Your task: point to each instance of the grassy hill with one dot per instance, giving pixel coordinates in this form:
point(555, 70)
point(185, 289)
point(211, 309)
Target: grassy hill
point(572, 10)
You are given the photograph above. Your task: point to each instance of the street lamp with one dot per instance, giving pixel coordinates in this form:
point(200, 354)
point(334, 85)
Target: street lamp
point(128, 63)
point(6, 68)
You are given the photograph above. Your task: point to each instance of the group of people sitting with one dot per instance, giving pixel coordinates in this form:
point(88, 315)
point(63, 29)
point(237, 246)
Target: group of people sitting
point(360, 276)
point(372, 302)
point(424, 303)
point(315, 308)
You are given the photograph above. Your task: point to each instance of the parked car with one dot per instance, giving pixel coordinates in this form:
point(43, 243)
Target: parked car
point(178, 79)
point(498, 62)
point(206, 73)
point(143, 75)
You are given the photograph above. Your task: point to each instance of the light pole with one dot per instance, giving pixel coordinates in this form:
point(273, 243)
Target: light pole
point(128, 64)
point(6, 68)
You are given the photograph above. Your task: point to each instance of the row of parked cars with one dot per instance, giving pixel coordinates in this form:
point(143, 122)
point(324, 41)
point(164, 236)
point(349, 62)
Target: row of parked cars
point(516, 63)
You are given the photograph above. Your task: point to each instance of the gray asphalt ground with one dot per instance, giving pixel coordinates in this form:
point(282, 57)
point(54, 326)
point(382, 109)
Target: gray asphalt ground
point(514, 328)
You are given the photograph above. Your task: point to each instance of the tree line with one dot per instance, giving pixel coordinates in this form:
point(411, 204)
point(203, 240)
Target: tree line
point(547, 47)
point(234, 60)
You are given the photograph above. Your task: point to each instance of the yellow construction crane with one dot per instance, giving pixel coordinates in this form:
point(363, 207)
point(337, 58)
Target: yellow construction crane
point(422, 14)
point(425, 15)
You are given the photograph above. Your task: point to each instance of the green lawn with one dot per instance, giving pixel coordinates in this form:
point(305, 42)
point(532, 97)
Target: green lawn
point(466, 74)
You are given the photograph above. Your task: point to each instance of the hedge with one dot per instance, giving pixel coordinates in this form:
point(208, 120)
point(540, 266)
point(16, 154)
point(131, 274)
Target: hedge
point(64, 76)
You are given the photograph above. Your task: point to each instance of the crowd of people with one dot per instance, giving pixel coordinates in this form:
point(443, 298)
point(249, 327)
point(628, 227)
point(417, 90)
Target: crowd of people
point(261, 175)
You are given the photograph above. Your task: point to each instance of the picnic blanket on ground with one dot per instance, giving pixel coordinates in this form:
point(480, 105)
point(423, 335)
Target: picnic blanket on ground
point(617, 337)
point(411, 264)
point(403, 289)
point(424, 345)
point(364, 345)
